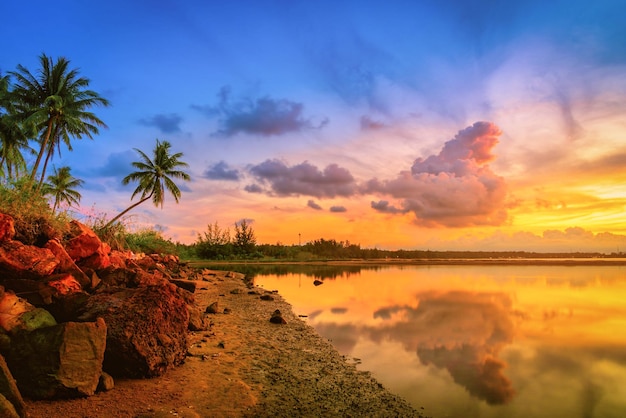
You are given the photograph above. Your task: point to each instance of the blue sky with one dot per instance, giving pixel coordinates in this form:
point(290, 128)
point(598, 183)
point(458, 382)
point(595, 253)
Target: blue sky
point(321, 113)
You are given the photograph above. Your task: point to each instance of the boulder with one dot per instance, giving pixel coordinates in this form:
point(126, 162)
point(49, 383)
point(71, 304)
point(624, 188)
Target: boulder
point(9, 390)
point(61, 361)
point(7, 227)
point(147, 328)
point(66, 264)
point(17, 314)
point(21, 261)
point(84, 241)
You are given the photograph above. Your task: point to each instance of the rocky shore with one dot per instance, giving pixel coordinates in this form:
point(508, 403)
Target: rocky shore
point(243, 365)
point(91, 332)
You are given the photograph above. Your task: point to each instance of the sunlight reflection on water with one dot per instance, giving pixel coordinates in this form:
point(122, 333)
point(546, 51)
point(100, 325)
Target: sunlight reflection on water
point(478, 341)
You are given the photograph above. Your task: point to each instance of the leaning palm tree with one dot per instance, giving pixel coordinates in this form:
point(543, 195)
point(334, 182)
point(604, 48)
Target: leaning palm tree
point(61, 185)
point(155, 177)
point(56, 102)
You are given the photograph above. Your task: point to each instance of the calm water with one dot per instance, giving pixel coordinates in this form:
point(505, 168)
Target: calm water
point(477, 341)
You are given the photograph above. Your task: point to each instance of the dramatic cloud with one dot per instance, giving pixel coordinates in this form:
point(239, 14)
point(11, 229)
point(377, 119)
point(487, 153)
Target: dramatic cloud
point(167, 124)
point(462, 332)
point(253, 188)
point(304, 179)
point(338, 209)
point(311, 203)
point(117, 164)
point(221, 171)
point(265, 116)
point(453, 188)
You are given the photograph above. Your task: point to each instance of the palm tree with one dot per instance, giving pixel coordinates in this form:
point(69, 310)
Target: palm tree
point(155, 177)
point(61, 186)
point(56, 102)
point(12, 135)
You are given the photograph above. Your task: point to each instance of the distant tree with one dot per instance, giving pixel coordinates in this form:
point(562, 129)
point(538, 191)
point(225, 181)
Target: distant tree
point(61, 186)
point(245, 240)
point(55, 102)
point(214, 243)
point(155, 176)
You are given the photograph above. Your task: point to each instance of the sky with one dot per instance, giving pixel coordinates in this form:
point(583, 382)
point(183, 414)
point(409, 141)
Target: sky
point(429, 125)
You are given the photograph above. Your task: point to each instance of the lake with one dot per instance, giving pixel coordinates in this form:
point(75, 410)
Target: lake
point(475, 340)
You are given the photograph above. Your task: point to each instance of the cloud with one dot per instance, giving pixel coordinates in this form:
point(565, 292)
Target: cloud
point(369, 124)
point(253, 188)
point(462, 332)
point(304, 179)
point(311, 203)
point(117, 164)
point(338, 209)
point(167, 124)
point(454, 188)
point(221, 171)
point(263, 116)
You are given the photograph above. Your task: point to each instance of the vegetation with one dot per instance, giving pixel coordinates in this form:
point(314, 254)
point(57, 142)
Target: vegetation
point(155, 176)
point(61, 186)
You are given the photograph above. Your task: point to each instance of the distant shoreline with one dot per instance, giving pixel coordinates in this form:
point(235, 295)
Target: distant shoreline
point(432, 261)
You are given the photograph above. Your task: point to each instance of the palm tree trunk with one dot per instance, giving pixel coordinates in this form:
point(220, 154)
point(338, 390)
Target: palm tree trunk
point(42, 149)
point(126, 211)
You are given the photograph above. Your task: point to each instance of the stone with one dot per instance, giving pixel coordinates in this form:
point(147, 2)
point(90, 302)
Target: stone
point(267, 297)
point(197, 320)
point(84, 241)
point(317, 282)
point(7, 227)
point(212, 308)
point(277, 318)
point(61, 361)
point(9, 390)
point(25, 261)
point(18, 314)
point(66, 264)
point(64, 284)
point(185, 284)
point(7, 409)
point(106, 383)
point(147, 329)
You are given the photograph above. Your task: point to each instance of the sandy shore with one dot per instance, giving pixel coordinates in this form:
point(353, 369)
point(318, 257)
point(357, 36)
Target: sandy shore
point(245, 366)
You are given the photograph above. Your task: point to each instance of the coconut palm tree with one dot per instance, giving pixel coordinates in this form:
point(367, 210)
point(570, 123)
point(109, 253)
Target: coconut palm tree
point(61, 186)
point(12, 135)
point(155, 177)
point(55, 102)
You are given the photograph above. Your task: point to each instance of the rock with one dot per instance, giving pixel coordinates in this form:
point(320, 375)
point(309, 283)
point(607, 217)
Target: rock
point(9, 390)
point(18, 314)
point(66, 264)
point(118, 259)
point(267, 297)
point(277, 318)
point(185, 284)
point(197, 320)
point(106, 382)
point(25, 261)
point(84, 242)
point(98, 260)
point(212, 308)
point(132, 277)
point(7, 227)
point(7, 409)
point(61, 361)
point(147, 329)
point(317, 282)
point(64, 284)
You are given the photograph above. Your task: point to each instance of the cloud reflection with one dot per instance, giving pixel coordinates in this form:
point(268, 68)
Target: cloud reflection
point(462, 332)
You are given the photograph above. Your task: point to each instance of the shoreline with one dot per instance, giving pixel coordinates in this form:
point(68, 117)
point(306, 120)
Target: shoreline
point(244, 366)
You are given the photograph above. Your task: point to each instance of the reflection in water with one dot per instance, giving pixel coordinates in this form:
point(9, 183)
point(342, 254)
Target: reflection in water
point(480, 341)
point(317, 271)
point(462, 332)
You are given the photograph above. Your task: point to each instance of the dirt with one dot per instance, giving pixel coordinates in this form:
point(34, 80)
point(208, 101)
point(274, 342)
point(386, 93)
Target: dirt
point(244, 366)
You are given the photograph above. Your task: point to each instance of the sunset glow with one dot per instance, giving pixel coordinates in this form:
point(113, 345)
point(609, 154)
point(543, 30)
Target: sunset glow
point(397, 125)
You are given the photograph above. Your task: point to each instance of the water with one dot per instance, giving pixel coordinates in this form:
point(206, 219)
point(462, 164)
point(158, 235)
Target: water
point(476, 341)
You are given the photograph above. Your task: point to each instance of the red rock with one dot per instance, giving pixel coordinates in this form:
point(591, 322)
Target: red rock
point(66, 264)
point(84, 243)
point(65, 284)
point(26, 261)
point(7, 227)
point(146, 329)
